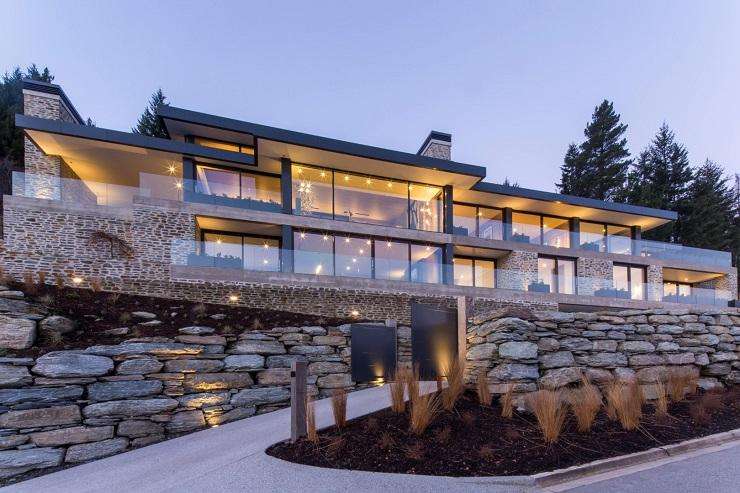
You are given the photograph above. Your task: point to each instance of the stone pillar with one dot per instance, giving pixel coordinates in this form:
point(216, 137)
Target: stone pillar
point(594, 274)
point(517, 270)
point(654, 279)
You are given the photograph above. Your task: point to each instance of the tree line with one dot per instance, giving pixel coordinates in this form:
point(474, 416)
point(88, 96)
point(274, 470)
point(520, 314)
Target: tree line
point(661, 176)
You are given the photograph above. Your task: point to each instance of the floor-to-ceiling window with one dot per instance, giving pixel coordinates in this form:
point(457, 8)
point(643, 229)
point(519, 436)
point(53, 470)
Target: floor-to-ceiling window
point(353, 256)
point(540, 229)
point(474, 272)
point(556, 275)
point(426, 264)
point(483, 222)
point(629, 281)
point(606, 237)
point(391, 260)
point(313, 253)
point(674, 291)
point(352, 197)
point(253, 190)
point(239, 251)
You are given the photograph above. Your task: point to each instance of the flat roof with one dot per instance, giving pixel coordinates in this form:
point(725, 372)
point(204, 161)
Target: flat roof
point(637, 210)
point(317, 142)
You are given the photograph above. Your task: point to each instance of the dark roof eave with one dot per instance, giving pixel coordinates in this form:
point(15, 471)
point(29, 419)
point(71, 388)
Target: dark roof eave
point(574, 200)
point(317, 142)
point(129, 139)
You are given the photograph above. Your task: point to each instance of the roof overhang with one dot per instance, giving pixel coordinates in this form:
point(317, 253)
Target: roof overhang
point(689, 276)
point(275, 143)
point(564, 205)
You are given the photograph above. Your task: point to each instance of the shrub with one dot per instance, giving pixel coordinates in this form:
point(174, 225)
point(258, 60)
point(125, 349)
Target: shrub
point(386, 441)
point(626, 400)
point(455, 384)
point(585, 402)
point(396, 389)
point(46, 300)
point(680, 382)
point(484, 391)
point(311, 433)
point(339, 407)
point(423, 410)
point(200, 310)
point(548, 408)
point(507, 402)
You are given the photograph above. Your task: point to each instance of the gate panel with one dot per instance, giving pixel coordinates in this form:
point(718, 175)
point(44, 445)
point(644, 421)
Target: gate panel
point(373, 352)
point(433, 339)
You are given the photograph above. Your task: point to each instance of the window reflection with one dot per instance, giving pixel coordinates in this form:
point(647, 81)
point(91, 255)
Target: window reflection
point(313, 254)
point(474, 272)
point(464, 220)
point(224, 246)
point(353, 257)
point(312, 192)
point(391, 260)
point(620, 239)
point(426, 264)
point(370, 200)
point(463, 271)
point(556, 232)
point(261, 254)
point(525, 227)
point(425, 207)
point(556, 275)
point(263, 190)
point(490, 223)
point(236, 251)
point(593, 236)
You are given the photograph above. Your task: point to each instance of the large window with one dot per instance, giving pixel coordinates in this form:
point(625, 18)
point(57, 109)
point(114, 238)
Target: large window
point(483, 222)
point(606, 238)
point(675, 290)
point(555, 275)
point(426, 264)
point(236, 251)
point(351, 197)
point(314, 254)
point(353, 256)
point(261, 191)
point(541, 230)
point(629, 281)
point(474, 272)
point(392, 260)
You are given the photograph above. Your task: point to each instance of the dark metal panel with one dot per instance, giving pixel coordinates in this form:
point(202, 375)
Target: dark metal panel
point(373, 352)
point(433, 339)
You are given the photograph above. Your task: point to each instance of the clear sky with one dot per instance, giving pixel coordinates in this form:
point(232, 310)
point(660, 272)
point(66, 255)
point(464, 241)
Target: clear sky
point(514, 82)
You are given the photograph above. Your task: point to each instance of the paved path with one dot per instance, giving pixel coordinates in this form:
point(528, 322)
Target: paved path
point(231, 458)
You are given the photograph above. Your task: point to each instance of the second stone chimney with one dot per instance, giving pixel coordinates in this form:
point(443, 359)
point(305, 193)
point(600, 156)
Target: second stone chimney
point(437, 145)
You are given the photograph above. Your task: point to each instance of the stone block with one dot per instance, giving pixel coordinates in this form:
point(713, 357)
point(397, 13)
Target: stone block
point(130, 408)
point(233, 415)
point(36, 418)
point(204, 340)
point(196, 330)
point(96, 450)
point(139, 366)
point(258, 347)
point(329, 340)
point(153, 348)
point(14, 376)
point(311, 350)
point(238, 362)
point(203, 399)
point(518, 350)
point(75, 434)
point(606, 360)
point(514, 371)
point(553, 379)
point(334, 381)
point(39, 395)
point(16, 333)
point(206, 382)
point(576, 344)
point(58, 324)
point(14, 462)
point(482, 352)
point(254, 397)
point(557, 359)
point(186, 421)
point(139, 428)
point(274, 376)
point(193, 365)
point(646, 360)
point(108, 391)
point(72, 364)
point(636, 347)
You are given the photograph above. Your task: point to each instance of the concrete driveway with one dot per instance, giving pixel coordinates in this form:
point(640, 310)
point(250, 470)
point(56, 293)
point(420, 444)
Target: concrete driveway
point(231, 458)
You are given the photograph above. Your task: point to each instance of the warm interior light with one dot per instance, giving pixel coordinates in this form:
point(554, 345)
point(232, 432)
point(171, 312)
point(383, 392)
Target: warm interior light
point(346, 240)
point(265, 246)
point(299, 170)
point(427, 248)
point(317, 271)
point(218, 240)
point(346, 178)
point(390, 184)
point(323, 174)
point(264, 261)
point(171, 169)
point(362, 251)
point(178, 185)
point(354, 260)
point(388, 244)
point(367, 242)
point(77, 280)
point(368, 181)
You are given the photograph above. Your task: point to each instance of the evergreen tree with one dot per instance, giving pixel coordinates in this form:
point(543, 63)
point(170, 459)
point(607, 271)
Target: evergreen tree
point(597, 168)
point(710, 220)
point(149, 123)
point(661, 179)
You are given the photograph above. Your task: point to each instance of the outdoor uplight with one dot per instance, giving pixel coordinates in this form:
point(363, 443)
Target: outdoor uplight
point(77, 280)
point(354, 313)
point(233, 298)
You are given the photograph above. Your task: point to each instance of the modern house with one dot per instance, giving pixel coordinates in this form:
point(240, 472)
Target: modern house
point(231, 211)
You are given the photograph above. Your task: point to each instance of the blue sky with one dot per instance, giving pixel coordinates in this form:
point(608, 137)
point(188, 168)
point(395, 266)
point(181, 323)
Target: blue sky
point(514, 82)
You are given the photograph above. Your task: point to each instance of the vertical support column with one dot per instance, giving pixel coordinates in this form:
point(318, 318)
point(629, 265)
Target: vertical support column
point(298, 394)
point(286, 185)
point(462, 328)
point(286, 248)
point(188, 176)
point(636, 240)
point(507, 223)
point(575, 232)
point(448, 216)
point(448, 272)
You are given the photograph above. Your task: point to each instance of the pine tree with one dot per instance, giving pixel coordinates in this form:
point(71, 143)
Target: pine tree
point(149, 123)
point(709, 221)
point(660, 179)
point(597, 168)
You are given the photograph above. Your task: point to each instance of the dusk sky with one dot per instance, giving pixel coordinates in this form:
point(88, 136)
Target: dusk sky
point(514, 82)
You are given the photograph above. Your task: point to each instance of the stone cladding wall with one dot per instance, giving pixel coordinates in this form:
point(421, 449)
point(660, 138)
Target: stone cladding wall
point(532, 349)
point(517, 270)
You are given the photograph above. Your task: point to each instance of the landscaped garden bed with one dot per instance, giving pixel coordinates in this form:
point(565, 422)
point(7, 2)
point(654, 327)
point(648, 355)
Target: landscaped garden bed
point(475, 440)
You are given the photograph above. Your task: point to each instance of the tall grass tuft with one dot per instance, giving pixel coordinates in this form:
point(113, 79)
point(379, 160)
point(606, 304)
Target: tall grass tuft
point(396, 388)
point(661, 400)
point(339, 407)
point(58, 280)
point(29, 284)
point(585, 402)
point(311, 434)
point(507, 402)
point(482, 388)
point(680, 382)
point(550, 411)
point(96, 285)
point(455, 383)
point(625, 400)
point(42, 279)
point(412, 383)
point(423, 410)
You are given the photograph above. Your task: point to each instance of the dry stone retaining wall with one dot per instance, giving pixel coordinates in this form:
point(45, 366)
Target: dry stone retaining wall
point(552, 349)
point(72, 406)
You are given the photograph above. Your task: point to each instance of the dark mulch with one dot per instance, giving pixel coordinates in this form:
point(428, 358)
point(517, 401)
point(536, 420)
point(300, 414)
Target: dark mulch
point(96, 312)
point(480, 442)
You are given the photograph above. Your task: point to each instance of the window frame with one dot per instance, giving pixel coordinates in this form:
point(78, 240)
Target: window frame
point(204, 231)
point(629, 278)
point(239, 145)
point(557, 271)
point(474, 259)
point(478, 207)
point(605, 235)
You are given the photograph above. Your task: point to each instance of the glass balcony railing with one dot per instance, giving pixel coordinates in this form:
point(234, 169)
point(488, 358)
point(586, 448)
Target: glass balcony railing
point(268, 258)
point(71, 190)
point(674, 251)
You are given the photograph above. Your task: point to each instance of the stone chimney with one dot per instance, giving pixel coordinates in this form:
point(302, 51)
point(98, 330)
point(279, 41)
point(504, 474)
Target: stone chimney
point(437, 145)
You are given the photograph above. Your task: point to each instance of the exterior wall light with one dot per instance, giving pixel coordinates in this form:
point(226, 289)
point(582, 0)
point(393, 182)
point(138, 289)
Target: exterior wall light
point(233, 298)
point(77, 280)
point(354, 313)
